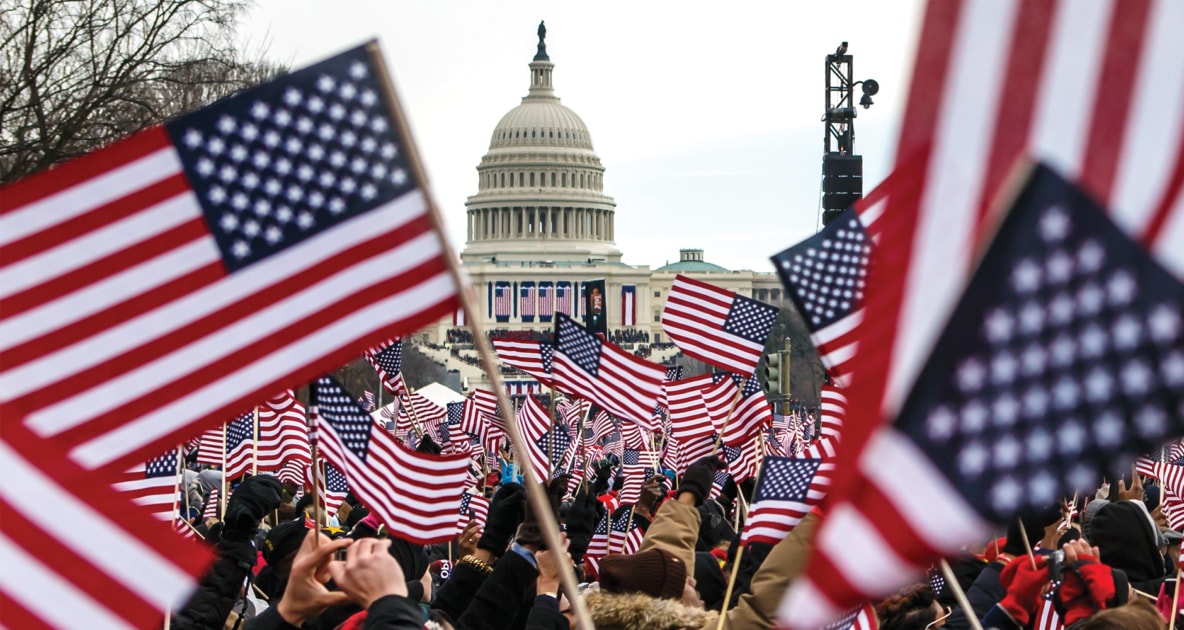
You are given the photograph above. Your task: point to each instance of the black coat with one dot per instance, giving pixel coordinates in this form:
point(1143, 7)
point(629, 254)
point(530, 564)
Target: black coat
point(983, 594)
point(219, 588)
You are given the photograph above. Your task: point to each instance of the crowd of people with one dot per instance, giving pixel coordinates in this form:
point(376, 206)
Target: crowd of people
point(275, 572)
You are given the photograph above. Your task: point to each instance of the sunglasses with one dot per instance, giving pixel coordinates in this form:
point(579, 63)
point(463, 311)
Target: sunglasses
point(941, 619)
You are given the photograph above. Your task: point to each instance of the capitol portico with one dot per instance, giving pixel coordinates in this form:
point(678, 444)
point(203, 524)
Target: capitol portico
point(541, 225)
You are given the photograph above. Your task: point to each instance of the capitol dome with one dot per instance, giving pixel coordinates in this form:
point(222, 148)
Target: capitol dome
point(540, 186)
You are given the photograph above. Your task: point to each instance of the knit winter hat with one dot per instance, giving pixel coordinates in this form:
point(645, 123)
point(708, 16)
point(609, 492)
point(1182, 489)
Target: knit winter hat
point(657, 573)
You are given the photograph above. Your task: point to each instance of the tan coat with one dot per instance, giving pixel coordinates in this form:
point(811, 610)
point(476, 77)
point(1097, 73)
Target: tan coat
point(676, 528)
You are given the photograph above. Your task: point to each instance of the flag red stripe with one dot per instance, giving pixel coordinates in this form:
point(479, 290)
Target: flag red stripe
point(79, 170)
point(1171, 193)
point(1115, 89)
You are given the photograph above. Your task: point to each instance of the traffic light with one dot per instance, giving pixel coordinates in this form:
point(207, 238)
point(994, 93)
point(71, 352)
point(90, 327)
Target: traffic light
point(773, 373)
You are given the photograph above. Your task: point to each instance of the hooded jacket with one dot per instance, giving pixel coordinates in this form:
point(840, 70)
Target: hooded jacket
point(1124, 534)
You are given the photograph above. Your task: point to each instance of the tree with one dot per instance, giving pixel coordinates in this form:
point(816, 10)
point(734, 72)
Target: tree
point(77, 74)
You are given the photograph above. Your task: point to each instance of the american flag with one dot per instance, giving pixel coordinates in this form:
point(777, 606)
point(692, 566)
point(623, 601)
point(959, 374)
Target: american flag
point(526, 301)
point(563, 298)
point(153, 484)
point(417, 412)
point(589, 367)
point(546, 302)
point(1047, 618)
point(213, 507)
point(603, 425)
point(240, 445)
point(532, 357)
point(283, 438)
point(424, 509)
point(211, 445)
point(636, 468)
point(473, 507)
point(598, 546)
point(751, 412)
point(859, 618)
point(787, 488)
point(673, 373)
point(717, 326)
point(223, 255)
point(387, 360)
point(334, 488)
point(454, 414)
point(625, 534)
point(503, 301)
point(825, 276)
point(689, 416)
point(534, 423)
point(122, 569)
point(368, 400)
point(1066, 353)
point(480, 418)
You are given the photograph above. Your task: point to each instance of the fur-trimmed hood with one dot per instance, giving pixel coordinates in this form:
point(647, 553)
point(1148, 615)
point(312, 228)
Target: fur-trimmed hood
point(636, 611)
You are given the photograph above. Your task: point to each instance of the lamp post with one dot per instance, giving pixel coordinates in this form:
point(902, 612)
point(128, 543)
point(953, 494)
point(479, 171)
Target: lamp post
point(842, 169)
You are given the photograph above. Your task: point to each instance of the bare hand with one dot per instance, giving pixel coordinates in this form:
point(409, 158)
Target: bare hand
point(306, 596)
point(369, 572)
point(467, 542)
point(551, 567)
point(1132, 491)
point(1079, 549)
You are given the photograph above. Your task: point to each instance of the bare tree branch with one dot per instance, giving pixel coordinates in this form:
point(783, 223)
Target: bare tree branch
point(78, 74)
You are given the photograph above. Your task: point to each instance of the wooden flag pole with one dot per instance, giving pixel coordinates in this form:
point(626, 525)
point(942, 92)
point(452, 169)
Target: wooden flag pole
point(314, 465)
point(406, 401)
point(1175, 596)
point(723, 611)
point(255, 446)
point(222, 498)
point(535, 493)
point(960, 595)
point(1027, 545)
point(177, 482)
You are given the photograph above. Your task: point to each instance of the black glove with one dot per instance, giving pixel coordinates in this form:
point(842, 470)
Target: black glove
point(530, 533)
point(251, 501)
point(699, 476)
point(583, 515)
point(652, 492)
point(604, 469)
point(428, 445)
point(506, 511)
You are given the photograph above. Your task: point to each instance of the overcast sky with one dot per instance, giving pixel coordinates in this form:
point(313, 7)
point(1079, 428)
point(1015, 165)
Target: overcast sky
point(705, 115)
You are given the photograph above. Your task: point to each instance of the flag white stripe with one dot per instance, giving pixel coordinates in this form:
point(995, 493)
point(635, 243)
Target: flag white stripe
point(1150, 151)
point(887, 459)
point(808, 606)
point(157, 423)
point(1065, 102)
point(95, 245)
point(76, 201)
point(110, 548)
point(946, 223)
point(1167, 247)
point(42, 591)
point(159, 322)
point(111, 291)
point(839, 328)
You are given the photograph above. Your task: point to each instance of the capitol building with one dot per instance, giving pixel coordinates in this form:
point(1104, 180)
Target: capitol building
point(541, 225)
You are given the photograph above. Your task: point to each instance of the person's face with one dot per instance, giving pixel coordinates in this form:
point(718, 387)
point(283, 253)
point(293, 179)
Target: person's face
point(690, 596)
